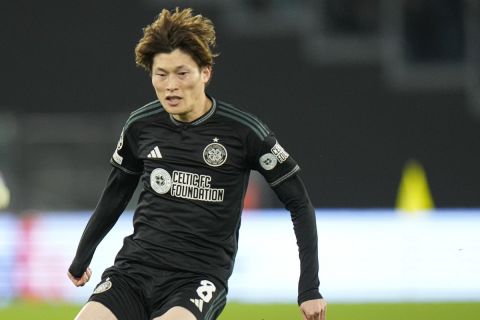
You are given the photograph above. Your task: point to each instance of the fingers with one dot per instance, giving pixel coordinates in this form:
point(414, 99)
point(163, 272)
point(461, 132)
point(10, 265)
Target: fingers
point(323, 314)
point(73, 279)
point(87, 275)
point(313, 316)
point(85, 278)
point(80, 282)
point(314, 309)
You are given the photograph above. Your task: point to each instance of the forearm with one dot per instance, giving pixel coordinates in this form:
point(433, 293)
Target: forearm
point(115, 197)
point(294, 196)
point(304, 223)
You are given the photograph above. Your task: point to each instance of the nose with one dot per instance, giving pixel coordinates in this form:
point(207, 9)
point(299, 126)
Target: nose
point(172, 85)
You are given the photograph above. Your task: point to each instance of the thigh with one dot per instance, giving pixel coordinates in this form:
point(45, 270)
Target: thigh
point(177, 313)
point(123, 299)
point(95, 311)
point(202, 297)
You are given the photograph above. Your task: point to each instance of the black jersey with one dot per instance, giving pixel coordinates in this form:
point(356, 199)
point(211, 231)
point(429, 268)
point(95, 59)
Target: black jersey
point(194, 177)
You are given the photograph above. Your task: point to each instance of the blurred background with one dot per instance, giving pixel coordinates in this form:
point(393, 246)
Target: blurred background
point(377, 100)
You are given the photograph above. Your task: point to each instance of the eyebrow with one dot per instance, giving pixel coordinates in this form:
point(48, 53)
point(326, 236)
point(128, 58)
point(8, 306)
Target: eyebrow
point(176, 68)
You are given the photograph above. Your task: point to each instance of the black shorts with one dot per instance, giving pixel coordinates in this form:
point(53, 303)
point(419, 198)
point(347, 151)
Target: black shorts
point(144, 294)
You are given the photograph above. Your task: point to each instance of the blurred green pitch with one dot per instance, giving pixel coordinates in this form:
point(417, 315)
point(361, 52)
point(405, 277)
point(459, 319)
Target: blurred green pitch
point(236, 311)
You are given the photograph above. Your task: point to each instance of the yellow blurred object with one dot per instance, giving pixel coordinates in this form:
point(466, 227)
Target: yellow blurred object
point(4, 194)
point(414, 193)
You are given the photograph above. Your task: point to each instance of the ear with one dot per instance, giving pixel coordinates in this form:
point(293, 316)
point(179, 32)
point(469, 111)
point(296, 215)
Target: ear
point(206, 73)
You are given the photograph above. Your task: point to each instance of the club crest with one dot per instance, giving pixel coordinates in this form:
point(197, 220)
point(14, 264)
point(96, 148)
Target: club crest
point(215, 154)
point(103, 286)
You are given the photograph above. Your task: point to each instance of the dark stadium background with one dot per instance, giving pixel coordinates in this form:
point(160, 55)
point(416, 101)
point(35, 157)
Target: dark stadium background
point(68, 81)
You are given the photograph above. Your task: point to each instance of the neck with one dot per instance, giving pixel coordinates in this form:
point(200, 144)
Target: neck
point(202, 106)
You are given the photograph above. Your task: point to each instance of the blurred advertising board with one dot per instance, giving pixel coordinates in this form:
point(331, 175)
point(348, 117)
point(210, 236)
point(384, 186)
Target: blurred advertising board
point(365, 255)
point(8, 233)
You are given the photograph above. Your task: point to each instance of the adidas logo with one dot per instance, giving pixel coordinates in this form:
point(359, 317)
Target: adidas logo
point(198, 303)
point(155, 153)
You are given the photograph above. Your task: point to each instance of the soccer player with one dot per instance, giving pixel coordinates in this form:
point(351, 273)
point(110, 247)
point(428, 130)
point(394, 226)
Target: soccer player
point(192, 154)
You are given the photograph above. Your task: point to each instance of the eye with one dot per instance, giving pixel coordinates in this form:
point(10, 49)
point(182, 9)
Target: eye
point(161, 75)
point(182, 73)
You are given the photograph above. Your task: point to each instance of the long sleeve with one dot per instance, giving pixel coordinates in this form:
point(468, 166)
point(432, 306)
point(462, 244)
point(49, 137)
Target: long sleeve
point(118, 191)
point(294, 196)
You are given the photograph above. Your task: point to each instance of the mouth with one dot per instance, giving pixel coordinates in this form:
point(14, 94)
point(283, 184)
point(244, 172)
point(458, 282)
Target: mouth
point(173, 100)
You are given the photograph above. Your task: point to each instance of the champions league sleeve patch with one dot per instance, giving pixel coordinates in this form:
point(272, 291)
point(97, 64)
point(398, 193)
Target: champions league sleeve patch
point(269, 160)
point(118, 159)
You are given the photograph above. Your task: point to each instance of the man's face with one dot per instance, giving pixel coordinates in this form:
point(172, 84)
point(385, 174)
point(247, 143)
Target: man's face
point(180, 84)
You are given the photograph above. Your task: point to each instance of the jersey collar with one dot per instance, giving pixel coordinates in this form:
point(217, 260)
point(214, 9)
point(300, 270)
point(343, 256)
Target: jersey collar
point(200, 120)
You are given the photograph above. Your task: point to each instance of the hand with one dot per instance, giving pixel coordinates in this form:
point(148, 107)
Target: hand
point(314, 309)
point(80, 282)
